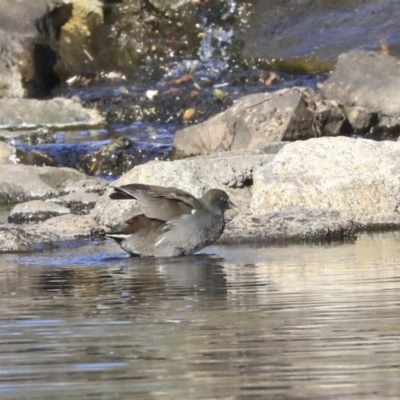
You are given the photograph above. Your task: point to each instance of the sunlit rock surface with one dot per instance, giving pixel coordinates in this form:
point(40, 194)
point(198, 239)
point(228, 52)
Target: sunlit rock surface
point(36, 211)
point(55, 113)
point(257, 120)
point(20, 183)
point(360, 178)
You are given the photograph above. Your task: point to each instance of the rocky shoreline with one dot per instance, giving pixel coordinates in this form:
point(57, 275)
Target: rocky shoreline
point(325, 188)
point(301, 164)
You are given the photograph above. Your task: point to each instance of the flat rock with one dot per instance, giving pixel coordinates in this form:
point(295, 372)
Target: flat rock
point(62, 228)
point(19, 183)
point(86, 185)
point(78, 202)
point(36, 211)
point(257, 120)
point(49, 234)
point(293, 222)
point(366, 79)
point(232, 172)
point(56, 113)
point(359, 178)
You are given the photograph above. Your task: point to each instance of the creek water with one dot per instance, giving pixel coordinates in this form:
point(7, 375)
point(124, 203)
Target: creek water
point(233, 322)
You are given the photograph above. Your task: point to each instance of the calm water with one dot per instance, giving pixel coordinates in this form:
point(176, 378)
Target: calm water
point(289, 322)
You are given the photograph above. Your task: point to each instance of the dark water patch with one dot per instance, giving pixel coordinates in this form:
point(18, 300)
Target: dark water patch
point(108, 152)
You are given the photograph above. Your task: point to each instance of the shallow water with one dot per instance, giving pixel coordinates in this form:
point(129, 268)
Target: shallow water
point(261, 322)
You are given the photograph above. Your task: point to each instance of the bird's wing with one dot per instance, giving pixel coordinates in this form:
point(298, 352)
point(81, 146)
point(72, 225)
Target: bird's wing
point(133, 225)
point(158, 202)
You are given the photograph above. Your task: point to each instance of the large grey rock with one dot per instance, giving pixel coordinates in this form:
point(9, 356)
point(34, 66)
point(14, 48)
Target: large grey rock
point(56, 113)
point(366, 79)
point(232, 172)
point(257, 120)
point(357, 177)
point(20, 183)
point(36, 211)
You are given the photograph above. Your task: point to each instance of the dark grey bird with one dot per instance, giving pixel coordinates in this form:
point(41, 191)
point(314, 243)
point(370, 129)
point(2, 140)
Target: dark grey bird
point(172, 222)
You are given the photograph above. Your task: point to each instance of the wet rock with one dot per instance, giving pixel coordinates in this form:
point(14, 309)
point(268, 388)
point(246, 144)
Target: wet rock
point(111, 159)
point(55, 113)
point(256, 120)
point(232, 172)
point(28, 136)
point(19, 183)
point(293, 223)
point(367, 79)
point(36, 211)
point(359, 178)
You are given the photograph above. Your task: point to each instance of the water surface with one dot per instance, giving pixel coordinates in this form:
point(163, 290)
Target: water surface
point(261, 322)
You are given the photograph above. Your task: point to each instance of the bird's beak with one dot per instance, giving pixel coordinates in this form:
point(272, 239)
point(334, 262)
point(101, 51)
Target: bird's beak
point(233, 206)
